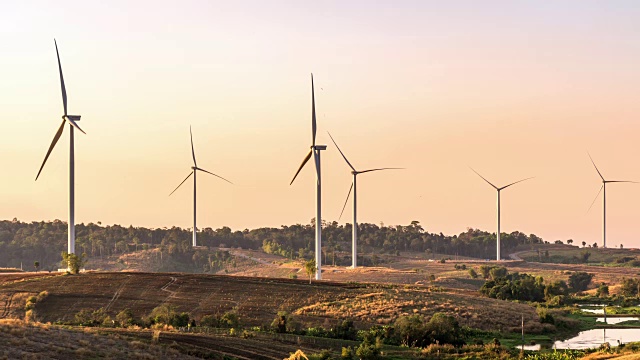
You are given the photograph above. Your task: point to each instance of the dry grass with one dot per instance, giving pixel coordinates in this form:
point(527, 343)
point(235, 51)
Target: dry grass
point(257, 300)
point(39, 341)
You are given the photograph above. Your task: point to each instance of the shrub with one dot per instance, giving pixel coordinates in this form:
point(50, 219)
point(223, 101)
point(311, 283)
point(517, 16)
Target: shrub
point(230, 319)
point(603, 290)
point(498, 272)
point(580, 280)
point(515, 286)
point(125, 318)
point(209, 321)
point(87, 317)
point(166, 314)
point(629, 287)
point(473, 274)
point(367, 352)
point(557, 288)
point(279, 324)
point(545, 316)
point(441, 328)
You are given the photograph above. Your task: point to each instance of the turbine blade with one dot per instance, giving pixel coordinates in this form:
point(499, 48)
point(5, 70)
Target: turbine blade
point(313, 112)
point(74, 124)
point(193, 152)
point(185, 179)
point(488, 182)
point(53, 144)
point(64, 90)
point(362, 172)
point(341, 153)
point(345, 202)
point(306, 158)
point(596, 198)
point(513, 183)
point(594, 165)
point(208, 172)
point(622, 181)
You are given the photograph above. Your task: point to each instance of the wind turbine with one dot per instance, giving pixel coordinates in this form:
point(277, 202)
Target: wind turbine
point(315, 151)
point(498, 189)
point(354, 187)
point(603, 189)
point(195, 168)
point(72, 121)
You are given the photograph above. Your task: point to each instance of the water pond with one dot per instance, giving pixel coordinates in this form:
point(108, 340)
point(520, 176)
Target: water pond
point(616, 320)
point(590, 339)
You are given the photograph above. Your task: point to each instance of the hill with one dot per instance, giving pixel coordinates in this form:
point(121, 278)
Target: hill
point(255, 300)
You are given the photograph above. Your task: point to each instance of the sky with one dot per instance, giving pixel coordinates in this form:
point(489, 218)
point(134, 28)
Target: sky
point(512, 89)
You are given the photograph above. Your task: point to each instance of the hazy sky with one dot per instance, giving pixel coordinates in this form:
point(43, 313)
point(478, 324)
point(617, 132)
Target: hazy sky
point(514, 89)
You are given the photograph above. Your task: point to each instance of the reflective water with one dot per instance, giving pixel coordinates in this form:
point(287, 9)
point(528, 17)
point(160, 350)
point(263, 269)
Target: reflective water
point(594, 338)
point(535, 347)
point(592, 308)
point(616, 320)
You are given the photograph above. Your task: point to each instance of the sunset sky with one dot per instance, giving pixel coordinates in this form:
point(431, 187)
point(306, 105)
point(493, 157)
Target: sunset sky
point(512, 89)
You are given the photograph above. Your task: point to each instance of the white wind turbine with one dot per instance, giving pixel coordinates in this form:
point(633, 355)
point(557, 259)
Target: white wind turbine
point(354, 187)
point(498, 189)
point(195, 168)
point(315, 151)
point(72, 121)
point(603, 189)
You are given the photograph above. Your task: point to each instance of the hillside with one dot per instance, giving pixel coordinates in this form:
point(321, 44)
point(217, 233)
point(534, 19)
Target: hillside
point(256, 300)
point(22, 340)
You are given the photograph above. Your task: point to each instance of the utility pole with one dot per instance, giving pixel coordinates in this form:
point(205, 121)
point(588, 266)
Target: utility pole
point(522, 332)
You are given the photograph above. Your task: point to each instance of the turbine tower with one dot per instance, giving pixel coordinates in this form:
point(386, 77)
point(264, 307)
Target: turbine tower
point(603, 189)
point(498, 189)
point(315, 151)
point(195, 168)
point(72, 121)
point(354, 187)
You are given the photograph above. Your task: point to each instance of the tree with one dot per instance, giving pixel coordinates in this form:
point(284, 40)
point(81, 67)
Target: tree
point(570, 241)
point(557, 288)
point(73, 262)
point(630, 287)
point(473, 273)
point(580, 280)
point(36, 264)
point(310, 268)
point(603, 290)
point(125, 318)
point(444, 329)
point(584, 243)
point(279, 324)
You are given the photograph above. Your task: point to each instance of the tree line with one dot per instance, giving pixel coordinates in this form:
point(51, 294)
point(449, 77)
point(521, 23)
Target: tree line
point(43, 241)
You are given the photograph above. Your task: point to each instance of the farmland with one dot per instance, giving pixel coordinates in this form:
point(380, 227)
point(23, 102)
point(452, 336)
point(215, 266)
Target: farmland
point(257, 287)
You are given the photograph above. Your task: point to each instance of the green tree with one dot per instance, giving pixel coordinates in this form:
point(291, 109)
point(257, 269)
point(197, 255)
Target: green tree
point(630, 287)
point(444, 329)
point(498, 272)
point(310, 268)
point(580, 280)
point(125, 318)
point(73, 262)
point(36, 264)
point(603, 290)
